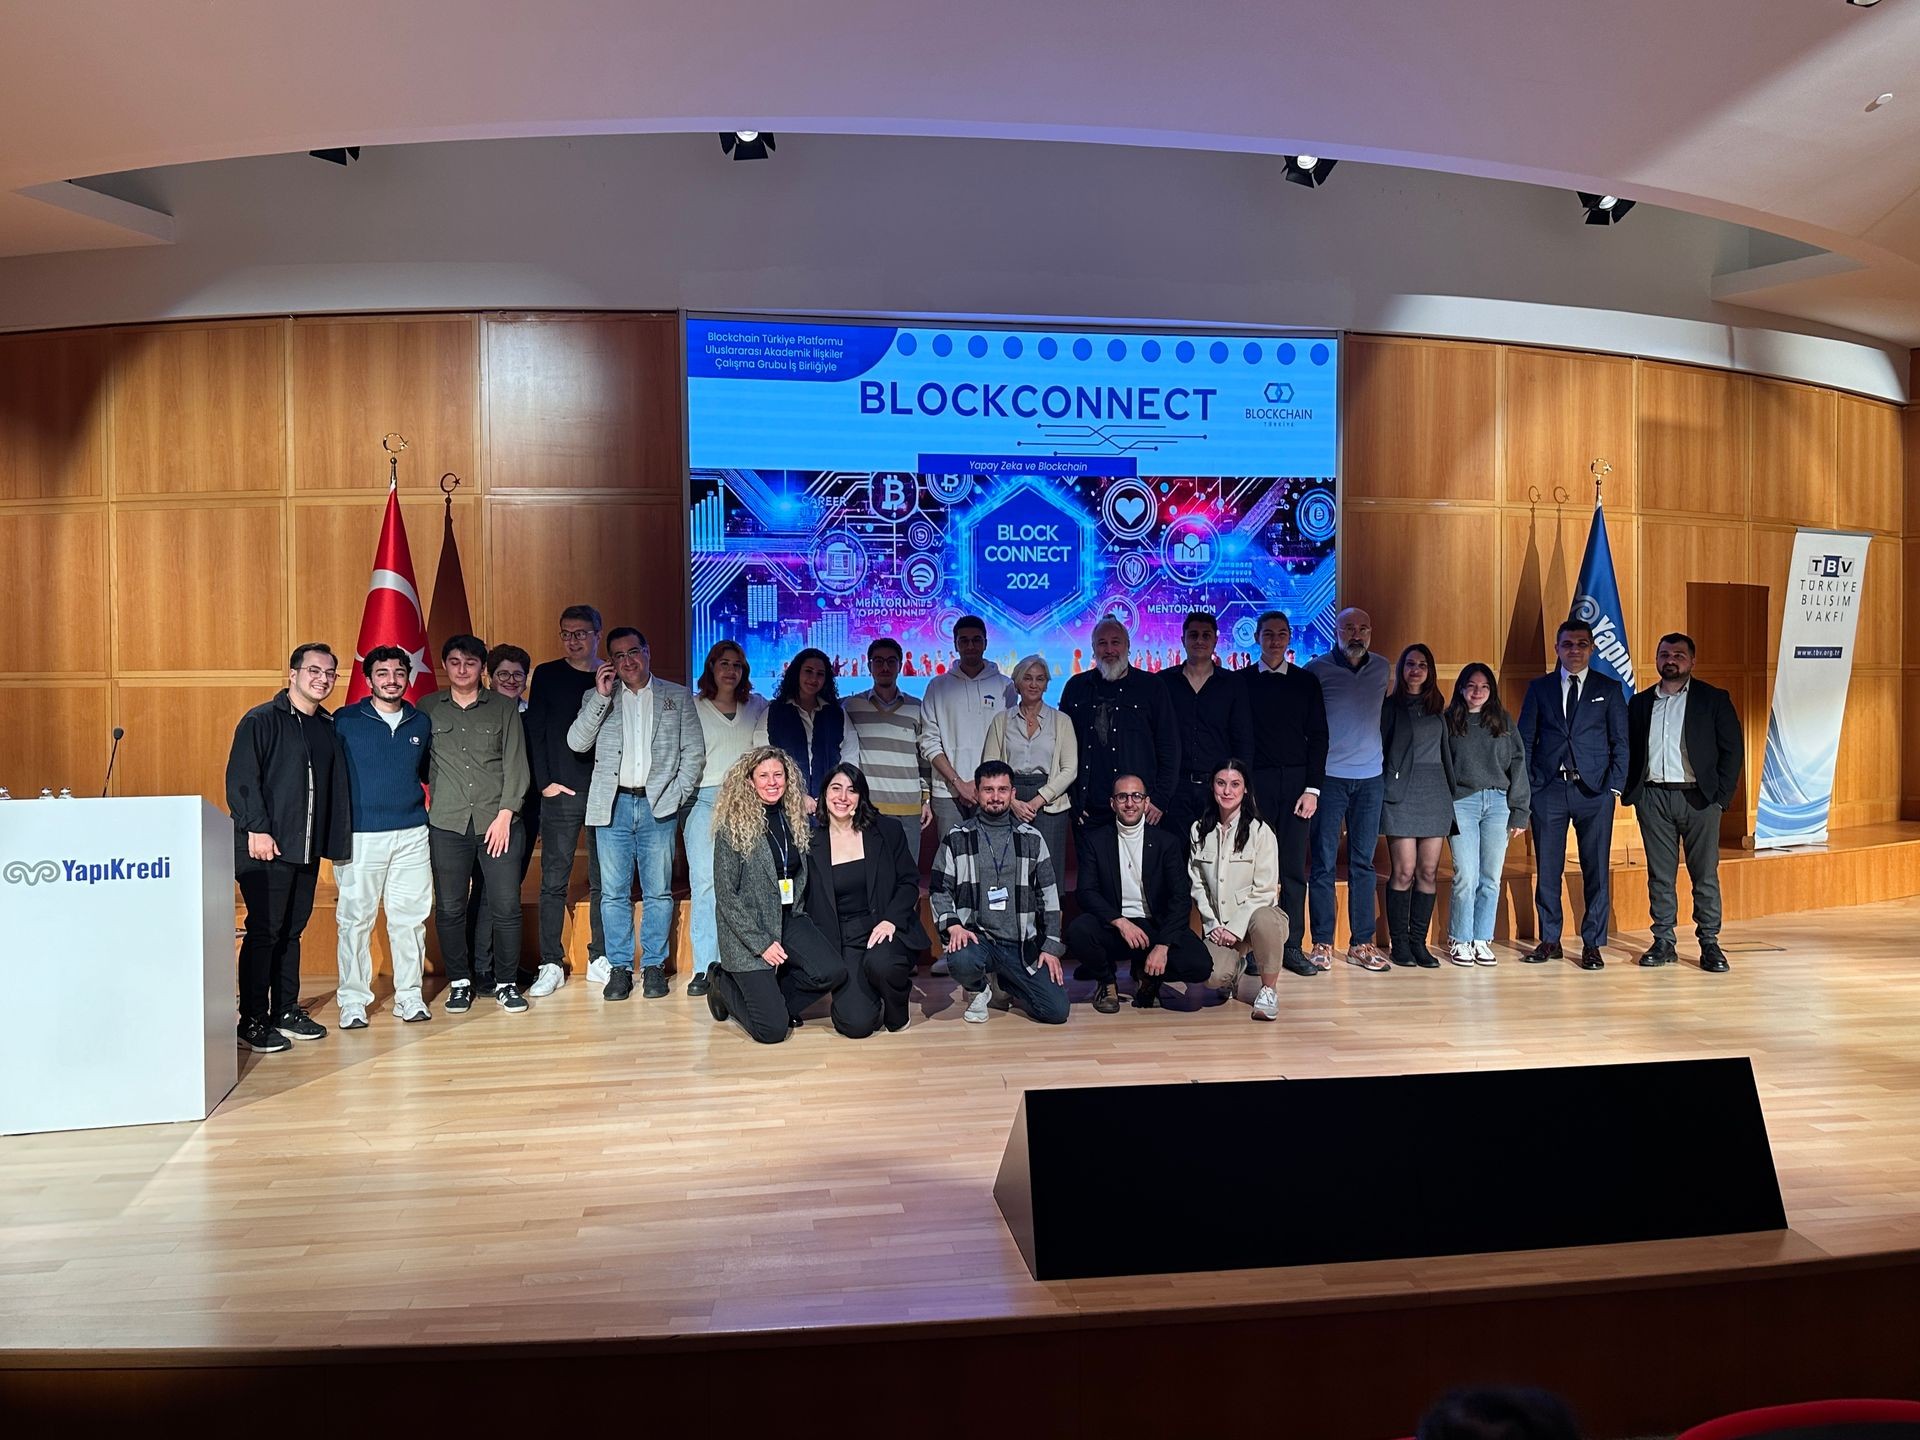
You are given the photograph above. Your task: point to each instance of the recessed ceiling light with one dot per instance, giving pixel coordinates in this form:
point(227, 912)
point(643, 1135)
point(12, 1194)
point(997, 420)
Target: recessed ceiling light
point(747, 144)
point(1604, 209)
point(1308, 170)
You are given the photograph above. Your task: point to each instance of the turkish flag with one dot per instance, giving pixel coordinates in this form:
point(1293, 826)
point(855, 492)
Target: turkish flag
point(393, 615)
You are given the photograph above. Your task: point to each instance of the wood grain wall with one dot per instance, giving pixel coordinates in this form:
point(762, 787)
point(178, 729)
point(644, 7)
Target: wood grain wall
point(180, 504)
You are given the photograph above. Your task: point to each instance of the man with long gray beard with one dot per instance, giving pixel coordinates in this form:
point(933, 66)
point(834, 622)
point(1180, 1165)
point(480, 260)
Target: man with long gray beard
point(1125, 725)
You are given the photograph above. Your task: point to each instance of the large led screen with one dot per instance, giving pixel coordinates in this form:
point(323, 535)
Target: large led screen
point(855, 480)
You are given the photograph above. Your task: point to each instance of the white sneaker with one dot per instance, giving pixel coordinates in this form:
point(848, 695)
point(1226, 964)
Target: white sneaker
point(977, 1006)
point(939, 965)
point(352, 1017)
point(550, 979)
point(1461, 952)
point(412, 1011)
point(600, 971)
point(1483, 953)
point(1266, 1005)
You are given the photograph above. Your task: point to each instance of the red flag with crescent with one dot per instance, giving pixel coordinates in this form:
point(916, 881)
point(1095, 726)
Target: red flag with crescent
point(394, 615)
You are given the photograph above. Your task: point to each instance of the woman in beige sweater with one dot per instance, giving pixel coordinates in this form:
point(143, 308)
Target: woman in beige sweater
point(1234, 864)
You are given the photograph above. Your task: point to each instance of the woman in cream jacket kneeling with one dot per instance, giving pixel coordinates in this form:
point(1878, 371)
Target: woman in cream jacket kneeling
point(1234, 864)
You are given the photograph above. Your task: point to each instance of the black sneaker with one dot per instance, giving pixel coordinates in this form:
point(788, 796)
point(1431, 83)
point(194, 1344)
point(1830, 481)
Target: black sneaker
point(1295, 962)
point(510, 998)
point(460, 997)
point(296, 1024)
point(619, 984)
point(653, 984)
point(1146, 995)
point(1106, 998)
point(698, 985)
point(483, 988)
point(262, 1038)
point(716, 1006)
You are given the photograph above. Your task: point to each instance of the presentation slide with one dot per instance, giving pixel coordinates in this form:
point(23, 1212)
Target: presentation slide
point(854, 480)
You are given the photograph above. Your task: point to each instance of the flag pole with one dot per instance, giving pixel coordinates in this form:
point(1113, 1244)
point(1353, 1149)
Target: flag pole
point(393, 442)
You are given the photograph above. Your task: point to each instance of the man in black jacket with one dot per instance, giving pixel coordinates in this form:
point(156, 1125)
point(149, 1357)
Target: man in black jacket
point(1210, 711)
point(1124, 722)
point(560, 780)
point(1289, 762)
point(1684, 752)
point(287, 792)
point(1135, 901)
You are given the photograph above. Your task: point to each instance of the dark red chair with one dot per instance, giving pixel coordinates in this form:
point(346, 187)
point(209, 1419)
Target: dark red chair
point(1817, 1420)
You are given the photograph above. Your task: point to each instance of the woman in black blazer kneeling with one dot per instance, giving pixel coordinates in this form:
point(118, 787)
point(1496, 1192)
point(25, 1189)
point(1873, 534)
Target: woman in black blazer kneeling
point(863, 892)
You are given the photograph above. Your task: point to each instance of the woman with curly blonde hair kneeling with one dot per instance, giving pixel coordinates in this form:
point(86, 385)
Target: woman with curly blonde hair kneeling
point(773, 961)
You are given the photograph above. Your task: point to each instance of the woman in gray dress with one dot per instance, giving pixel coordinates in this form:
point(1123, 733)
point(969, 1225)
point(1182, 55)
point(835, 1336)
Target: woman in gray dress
point(1418, 814)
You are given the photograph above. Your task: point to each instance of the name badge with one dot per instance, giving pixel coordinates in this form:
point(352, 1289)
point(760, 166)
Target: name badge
point(786, 890)
point(996, 897)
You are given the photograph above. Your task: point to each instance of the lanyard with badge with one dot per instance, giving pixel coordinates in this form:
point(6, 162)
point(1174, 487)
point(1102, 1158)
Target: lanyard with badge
point(783, 846)
point(997, 893)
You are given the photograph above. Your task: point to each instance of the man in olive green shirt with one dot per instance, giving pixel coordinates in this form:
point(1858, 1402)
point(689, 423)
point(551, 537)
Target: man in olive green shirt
point(479, 776)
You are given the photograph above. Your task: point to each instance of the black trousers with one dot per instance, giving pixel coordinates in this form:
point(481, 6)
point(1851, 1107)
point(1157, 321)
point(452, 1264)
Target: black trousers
point(480, 913)
point(767, 1000)
point(1276, 792)
point(1555, 804)
point(562, 818)
point(1100, 947)
point(1190, 801)
point(879, 983)
point(279, 900)
point(454, 857)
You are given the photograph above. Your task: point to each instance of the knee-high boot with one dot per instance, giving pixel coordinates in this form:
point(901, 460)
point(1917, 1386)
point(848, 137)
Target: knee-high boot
point(1419, 921)
point(1399, 904)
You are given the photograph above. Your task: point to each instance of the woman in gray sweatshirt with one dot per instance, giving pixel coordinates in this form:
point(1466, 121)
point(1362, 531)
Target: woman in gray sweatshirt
point(1490, 801)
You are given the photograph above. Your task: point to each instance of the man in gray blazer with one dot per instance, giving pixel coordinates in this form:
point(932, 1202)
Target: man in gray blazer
point(648, 752)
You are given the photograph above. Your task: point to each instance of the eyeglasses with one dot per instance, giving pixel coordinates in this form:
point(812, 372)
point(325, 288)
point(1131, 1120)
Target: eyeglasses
point(1132, 795)
point(314, 672)
point(624, 654)
point(569, 636)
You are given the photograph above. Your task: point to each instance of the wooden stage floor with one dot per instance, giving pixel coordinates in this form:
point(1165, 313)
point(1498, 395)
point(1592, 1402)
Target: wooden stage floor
point(590, 1172)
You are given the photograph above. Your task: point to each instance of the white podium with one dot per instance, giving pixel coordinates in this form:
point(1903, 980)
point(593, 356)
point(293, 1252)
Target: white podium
point(117, 918)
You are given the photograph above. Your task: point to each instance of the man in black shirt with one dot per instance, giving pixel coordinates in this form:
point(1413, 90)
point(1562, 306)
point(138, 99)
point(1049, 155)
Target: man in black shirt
point(1124, 723)
point(287, 792)
point(560, 780)
point(1215, 723)
point(1289, 765)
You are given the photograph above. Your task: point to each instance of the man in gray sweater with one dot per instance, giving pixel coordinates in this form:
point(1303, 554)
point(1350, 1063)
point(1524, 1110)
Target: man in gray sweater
point(1354, 681)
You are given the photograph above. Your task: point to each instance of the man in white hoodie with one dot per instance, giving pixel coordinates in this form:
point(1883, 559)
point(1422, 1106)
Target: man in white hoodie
point(954, 714)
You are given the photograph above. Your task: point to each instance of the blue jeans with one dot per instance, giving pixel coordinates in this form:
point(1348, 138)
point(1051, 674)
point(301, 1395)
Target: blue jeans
point(635, 840)
point(1006, 962)
point(702, 929)
point(1356, 803)
point(1479, 852)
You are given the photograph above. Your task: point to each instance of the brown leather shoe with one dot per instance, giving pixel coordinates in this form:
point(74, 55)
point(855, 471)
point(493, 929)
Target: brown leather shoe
point(1546, 950)
point(1591, 959)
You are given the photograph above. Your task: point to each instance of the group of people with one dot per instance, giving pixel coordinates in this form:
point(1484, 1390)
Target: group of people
point(1194, 790)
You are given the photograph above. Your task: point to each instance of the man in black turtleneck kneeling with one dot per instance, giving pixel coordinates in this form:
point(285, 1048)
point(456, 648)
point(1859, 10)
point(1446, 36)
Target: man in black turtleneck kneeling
point(1135, 904)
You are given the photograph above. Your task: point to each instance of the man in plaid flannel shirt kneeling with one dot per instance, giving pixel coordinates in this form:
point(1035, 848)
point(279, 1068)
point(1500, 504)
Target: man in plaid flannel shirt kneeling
point(995, 898)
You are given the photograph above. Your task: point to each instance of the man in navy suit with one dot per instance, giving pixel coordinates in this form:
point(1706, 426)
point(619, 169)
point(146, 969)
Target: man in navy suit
point(1574, 725)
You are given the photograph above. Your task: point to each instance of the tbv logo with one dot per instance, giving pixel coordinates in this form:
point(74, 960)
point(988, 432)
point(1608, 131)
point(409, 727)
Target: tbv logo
point(1830, 566)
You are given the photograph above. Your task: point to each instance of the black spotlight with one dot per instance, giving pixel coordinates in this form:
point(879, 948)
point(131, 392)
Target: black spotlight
point(747, 144)
point(1604, 209)
point(1308, 170)
point(337, 157)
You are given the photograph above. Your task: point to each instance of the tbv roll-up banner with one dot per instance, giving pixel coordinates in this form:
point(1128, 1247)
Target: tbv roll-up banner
point(1817, 627)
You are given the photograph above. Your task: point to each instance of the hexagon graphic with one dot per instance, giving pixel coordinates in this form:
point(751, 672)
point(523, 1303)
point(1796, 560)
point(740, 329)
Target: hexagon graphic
point(1027, 552)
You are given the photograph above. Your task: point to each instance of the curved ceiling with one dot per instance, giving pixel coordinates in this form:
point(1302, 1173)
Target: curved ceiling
point(1752, 111)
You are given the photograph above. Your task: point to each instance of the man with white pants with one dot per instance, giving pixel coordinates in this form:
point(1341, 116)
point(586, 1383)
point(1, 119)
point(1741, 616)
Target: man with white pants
point(386, 743)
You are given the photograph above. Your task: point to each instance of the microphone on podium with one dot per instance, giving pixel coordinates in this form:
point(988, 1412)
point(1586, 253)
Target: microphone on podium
point(118, 736)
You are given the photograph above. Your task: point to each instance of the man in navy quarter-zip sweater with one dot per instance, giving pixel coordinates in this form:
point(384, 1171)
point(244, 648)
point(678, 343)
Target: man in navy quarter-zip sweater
point(385, 743)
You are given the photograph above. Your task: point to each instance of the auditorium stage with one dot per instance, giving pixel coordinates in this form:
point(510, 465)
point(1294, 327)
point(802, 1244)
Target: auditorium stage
point(611, 1193)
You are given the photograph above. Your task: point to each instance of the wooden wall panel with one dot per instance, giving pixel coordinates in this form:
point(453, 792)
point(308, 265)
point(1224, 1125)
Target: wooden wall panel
point(1869, 485)
point(1866, 787)
point(1878, 640)
point(1564, 411)
point(1420, 420)
point(1910, 604)
point(57, 620)
point(1793, 453)
point(1541, 548)
point(178, 735)
point(356, 380)
point(1431, 578)
point(1769, 558)
point(628, 557)
point(200, 409)
point(54, 735)
point(1910, 746)
point(200, 588)
point(584, 403)
point(333, 545)
point(53, 406)
point(1693, 439)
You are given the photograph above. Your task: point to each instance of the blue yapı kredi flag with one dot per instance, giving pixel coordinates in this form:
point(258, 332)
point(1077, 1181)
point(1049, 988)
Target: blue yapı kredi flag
point(1596, 600)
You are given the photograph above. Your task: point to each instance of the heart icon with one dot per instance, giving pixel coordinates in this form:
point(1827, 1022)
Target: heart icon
point(1129, 508)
